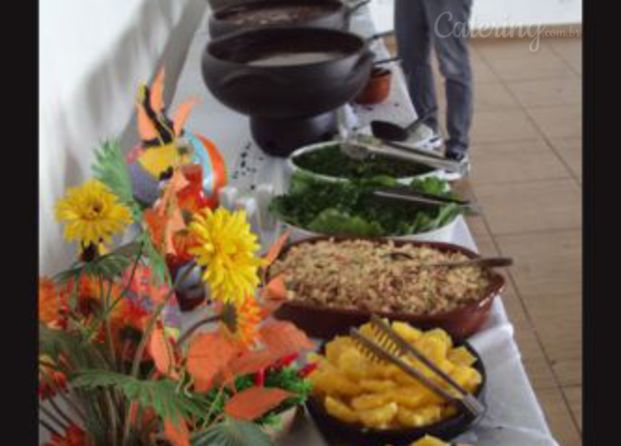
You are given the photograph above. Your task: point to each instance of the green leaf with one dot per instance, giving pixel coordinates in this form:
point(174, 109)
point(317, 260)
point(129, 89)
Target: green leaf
point(232, 432)
point(288, 379)
point(331, 221)
point(109, 266)
point(110, 168)
point(350, 208)
point(431, 185)
point(444, 215)
point(161, 395)
point(156, 260)
point(331, 161)
point(79, 355)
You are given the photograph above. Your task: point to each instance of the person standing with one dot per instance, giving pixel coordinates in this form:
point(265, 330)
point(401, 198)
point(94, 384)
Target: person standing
point(421, 25)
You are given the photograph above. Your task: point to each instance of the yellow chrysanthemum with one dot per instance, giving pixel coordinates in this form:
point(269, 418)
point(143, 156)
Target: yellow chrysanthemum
point(92, 213)
point(242, 320)
point(226, 247)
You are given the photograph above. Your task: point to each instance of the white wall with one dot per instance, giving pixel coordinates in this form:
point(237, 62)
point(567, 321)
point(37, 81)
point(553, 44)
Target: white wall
point(93, 54)
point(500, 13)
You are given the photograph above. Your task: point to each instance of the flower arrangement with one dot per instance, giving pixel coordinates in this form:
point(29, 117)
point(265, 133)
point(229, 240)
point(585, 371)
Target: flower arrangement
point(116, 365)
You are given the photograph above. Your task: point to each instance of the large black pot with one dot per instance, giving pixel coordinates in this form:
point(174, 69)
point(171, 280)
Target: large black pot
point(332, 14)
point(289, 105)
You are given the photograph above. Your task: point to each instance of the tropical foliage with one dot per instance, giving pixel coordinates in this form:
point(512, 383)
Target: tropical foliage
point(116, 367)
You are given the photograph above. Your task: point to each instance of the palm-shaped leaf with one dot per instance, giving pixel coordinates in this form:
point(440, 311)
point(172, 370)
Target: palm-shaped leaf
point(156, 260)
point(109, 266)
point(110, 168)
point(163, 395)
point(232, 432)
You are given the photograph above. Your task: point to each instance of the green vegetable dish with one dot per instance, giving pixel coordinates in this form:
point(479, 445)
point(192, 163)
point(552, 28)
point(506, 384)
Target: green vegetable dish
point(330, 161)
point(349, 208)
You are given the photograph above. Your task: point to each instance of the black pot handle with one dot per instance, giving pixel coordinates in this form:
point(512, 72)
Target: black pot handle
point(357, 6)
point(388, 60)
point(368, 55)
point(379, 36)
point(244, 75)
point(349, 11)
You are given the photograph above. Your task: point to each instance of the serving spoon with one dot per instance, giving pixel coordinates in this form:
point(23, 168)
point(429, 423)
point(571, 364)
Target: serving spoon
point(483, 262)
point(390, 131)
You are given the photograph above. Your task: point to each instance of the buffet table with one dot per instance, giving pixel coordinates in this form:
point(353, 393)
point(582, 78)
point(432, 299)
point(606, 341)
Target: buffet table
point(514, 417)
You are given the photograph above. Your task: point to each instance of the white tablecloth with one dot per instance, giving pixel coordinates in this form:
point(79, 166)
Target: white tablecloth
point(514, 417)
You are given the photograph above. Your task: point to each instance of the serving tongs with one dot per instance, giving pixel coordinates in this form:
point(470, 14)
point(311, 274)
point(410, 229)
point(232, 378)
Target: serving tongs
point(364, 147)
point(378, 141)
point(389, 347)
point(408, 194)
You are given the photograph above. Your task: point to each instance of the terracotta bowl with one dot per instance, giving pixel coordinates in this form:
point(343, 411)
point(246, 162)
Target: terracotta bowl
point(446, 429)
point(377, 88)
point(326, 322)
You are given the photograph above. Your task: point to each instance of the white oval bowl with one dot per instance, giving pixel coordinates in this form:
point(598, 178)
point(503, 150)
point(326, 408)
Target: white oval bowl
point(292, 168)
point(443, 234)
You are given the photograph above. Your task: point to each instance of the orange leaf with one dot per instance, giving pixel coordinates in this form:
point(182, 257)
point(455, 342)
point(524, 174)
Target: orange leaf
point(157, 92)
point(208, 355)
point(158, 293)
point(275, 289)
point(182, 113)
point(169, 216)
point(219, 173)
point(176, 183)
point(133, 412)
point(251, 403)
point(275, 249)
point(252, 361)
point(162, 353)
point(284, 338)
point(156, 226)
point(200, 385)
point(175, 223)
point(177, 434)
point(183, 241)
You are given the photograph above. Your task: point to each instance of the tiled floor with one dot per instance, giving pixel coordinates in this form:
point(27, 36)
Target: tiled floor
point(526, 173)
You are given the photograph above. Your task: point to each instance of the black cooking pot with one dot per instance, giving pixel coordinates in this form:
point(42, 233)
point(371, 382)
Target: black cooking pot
point(332, 14)
point(285, 79)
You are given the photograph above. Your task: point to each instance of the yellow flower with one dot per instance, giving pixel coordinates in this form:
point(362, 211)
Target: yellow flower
point(92, 213)
point(242, 320)
point(226, 247)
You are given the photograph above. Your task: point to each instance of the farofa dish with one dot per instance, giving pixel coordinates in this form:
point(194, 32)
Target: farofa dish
point(378, 276)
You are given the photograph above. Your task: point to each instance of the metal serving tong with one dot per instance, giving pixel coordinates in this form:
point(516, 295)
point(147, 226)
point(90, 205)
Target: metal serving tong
point(390, 347)
point(379, 142)
point(407, 194)
point(363, 147)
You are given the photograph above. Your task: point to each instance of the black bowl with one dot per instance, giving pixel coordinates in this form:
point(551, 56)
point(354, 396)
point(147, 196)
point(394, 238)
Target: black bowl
point(308, 86)
point(357, 434)
point(331, 14)
point(289, 80)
